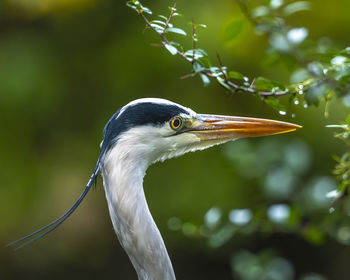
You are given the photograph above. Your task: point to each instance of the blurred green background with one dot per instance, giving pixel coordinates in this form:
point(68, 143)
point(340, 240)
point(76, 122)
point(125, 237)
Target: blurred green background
point(67, 66)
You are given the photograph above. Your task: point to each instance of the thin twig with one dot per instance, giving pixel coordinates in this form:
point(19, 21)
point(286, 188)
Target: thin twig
point(193, 40)
point(187, 76)
point(221, 67)
point(172, 10)
point(156, 45)
point(164, 38)
point(253, 83)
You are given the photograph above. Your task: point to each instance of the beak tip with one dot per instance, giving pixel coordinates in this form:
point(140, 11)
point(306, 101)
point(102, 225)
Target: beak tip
point(290, 127)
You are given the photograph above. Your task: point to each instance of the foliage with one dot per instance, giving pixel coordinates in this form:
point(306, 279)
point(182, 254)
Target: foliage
point(342, 168)
point(266, 265)
point(320, 71)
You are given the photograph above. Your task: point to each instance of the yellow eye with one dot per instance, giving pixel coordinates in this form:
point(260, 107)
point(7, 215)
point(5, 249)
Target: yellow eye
point(176, 123)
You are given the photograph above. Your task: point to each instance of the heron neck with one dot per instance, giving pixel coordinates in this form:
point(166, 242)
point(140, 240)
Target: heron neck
point(131, 218)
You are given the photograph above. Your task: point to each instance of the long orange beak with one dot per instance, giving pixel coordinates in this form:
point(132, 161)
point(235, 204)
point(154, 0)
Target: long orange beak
point(211, 127)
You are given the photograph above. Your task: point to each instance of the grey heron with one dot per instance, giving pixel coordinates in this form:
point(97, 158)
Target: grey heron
point(143, 132)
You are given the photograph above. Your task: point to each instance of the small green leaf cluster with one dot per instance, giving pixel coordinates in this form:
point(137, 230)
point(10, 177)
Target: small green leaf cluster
point(342, 170)
point(138, 7)
point(342, 167)
point(320, 73)
point(201, 65)
point(345, 134)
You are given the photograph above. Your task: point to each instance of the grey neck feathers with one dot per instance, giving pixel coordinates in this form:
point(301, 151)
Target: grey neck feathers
point(131, 218)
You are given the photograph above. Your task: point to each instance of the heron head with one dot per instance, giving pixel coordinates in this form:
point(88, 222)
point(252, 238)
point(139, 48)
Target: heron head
point(154, 129)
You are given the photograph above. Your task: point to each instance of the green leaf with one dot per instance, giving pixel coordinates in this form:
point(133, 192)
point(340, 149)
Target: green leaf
point(345, 157)
point(171, 49)
point(275, 4)
point(260, 11)
point(172, 9)
point(316, 93)
point(146, 10)
point(131, 5)
point(215, 71)
point(197, 67)
point(163, 17)
point(137, 6)
point(280, 42)
point(158, 22)
point(316, 68)
point(197, 53)
point(205, 62)
point(274, 103)
point(299, 75)
point(157, 27)
point(347, 120)
point(205, 79)
point(267, 25)
point(233, 29)
point(222, 83)
point(236, 75)
point(202, 52)
point(176, 44)
point(218, 71)
point(175, 30)
point(296, 7)
point(262, 83)
point(200, 25)
point(339, 60)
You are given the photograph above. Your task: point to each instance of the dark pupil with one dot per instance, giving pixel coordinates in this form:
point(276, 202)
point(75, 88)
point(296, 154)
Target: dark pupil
point(176, 123)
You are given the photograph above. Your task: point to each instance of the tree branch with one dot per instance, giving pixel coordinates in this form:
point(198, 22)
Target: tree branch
point(230, 85)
